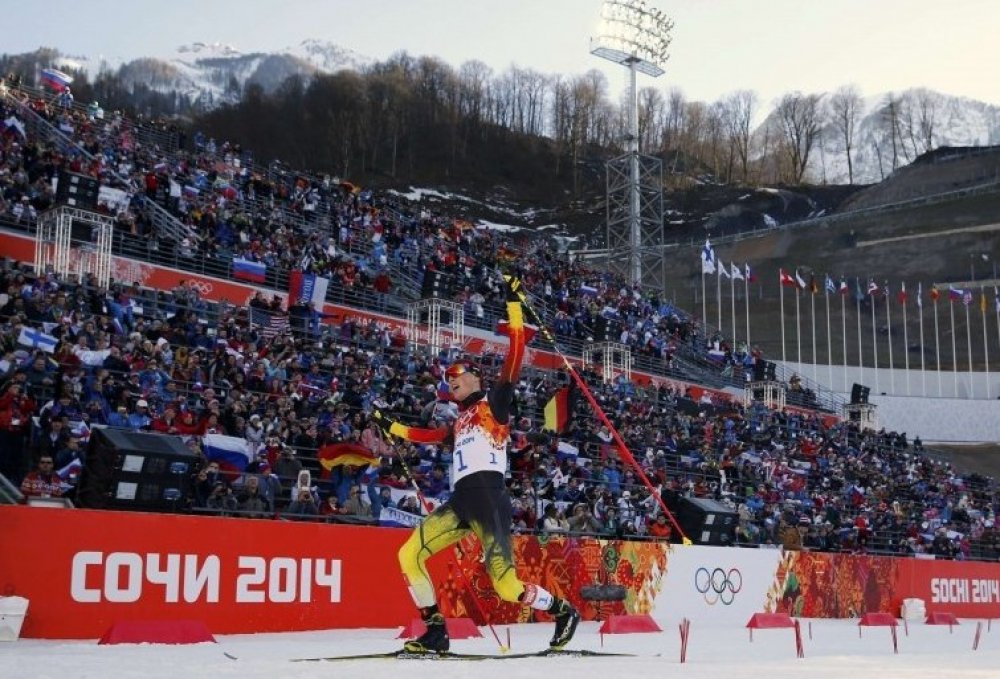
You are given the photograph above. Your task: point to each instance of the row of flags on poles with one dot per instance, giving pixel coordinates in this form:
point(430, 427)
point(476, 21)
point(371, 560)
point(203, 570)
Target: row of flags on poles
point(872, 289)
point(710, 264)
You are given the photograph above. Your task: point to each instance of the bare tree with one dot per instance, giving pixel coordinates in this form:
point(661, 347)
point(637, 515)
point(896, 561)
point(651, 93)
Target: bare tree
point(473, 78)
point(889, 123)
point(926, 104)
point(738, 110)
point(650, 116)
point(798, 116)
point(845, 111)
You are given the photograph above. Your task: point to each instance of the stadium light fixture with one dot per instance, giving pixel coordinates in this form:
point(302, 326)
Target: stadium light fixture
point(633, 35)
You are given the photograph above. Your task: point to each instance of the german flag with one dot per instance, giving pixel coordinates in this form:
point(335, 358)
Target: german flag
point(558, 409)
point(343, 454)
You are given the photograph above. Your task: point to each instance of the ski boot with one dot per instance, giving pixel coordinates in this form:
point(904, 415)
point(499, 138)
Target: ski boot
point(435, 639)
point(567, 619)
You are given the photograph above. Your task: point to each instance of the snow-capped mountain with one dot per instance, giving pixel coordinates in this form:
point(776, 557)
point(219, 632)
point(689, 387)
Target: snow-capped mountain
point(214, 73)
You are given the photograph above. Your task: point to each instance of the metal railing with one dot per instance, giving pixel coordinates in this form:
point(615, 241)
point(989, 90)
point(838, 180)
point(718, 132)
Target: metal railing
point(9, 493)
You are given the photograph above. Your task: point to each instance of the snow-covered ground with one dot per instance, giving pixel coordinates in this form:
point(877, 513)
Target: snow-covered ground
point(835, 651)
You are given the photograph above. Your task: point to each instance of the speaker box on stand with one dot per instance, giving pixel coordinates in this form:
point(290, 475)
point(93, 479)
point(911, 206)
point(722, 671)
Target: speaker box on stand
point(859, 394)
point(131, 470)
point(707, 522)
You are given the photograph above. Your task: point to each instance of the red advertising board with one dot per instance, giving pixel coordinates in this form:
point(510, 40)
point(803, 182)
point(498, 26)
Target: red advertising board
point(82, 570)
point(969, 589)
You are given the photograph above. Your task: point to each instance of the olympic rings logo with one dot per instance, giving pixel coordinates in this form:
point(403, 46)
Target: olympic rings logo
point(203, 287)
point(718, 584)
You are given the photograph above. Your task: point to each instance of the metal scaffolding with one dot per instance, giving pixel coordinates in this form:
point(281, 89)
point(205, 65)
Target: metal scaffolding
point(634, 192)
point(435, 324)
point(862, 414)
point(74, 244)
point(769, 392)
point(612, 357)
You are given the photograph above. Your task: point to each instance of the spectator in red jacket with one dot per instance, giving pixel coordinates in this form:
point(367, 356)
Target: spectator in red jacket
point(43, 482)
point(16, 409)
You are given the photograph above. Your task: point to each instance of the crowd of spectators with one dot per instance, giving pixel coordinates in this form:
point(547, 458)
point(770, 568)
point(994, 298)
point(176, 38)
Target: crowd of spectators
point(293, 220)
point(791, 479)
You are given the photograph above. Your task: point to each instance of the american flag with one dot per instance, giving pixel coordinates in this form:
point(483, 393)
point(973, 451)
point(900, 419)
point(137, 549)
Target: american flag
point(271, 323)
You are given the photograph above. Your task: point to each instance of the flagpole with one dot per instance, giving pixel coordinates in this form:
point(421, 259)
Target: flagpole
point(732, 307)
point(954, 350)
point(704, 308)
point(861, 363)
point(871, 298)
point(746, 292)
point(937, 347)
point(920, 308)
point(843, 331)
point(996, 305)
point(968, 336)
point(829, 341)
point(798, 326)
point(718, 292)
point(906, 343)
point(812, 313)
point(888, 324)
point(781, 296)
point(986, 346)
point(920, 311)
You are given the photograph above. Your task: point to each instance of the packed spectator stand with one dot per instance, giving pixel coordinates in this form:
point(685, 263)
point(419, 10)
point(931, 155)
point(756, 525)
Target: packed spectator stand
point(188, 366)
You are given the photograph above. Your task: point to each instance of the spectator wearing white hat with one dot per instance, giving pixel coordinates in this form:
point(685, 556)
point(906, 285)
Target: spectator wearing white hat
point(139, 419)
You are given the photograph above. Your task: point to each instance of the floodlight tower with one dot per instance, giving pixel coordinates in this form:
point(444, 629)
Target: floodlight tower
point(637, 37)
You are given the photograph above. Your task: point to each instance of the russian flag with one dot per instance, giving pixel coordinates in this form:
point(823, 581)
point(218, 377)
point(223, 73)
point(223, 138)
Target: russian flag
point(397, 518)
point(955, 294)
point(307, 287)
point(589, 290)
point(566, 451)
point(231, 452)
point(246, 270)
point(56, 79)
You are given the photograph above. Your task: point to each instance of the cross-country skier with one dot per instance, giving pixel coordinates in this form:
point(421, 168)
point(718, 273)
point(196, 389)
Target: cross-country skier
point(479, 502)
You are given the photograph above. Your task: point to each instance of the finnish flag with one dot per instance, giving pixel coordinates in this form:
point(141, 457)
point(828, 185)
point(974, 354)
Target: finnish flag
point(36, 339)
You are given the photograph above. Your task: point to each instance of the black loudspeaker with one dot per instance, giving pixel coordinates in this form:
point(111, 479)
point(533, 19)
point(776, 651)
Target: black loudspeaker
point(707, 522)
point(129, 470)
point(77, 190)
point(607, 329)
point(859, 394)
point(765, 371)
point(435, 284)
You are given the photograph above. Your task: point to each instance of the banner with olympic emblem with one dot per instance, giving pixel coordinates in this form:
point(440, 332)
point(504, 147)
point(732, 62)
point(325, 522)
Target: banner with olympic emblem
point(716, 583)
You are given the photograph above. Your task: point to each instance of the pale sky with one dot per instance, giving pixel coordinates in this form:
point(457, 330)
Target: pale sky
point(771, 46)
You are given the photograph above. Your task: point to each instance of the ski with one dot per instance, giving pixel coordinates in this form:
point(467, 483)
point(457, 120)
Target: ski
point(449, 655)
